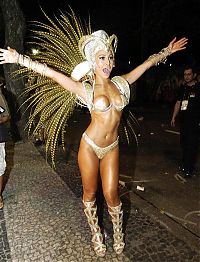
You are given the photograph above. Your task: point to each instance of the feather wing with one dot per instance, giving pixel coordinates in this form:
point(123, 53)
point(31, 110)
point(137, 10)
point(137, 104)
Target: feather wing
point(50, 104)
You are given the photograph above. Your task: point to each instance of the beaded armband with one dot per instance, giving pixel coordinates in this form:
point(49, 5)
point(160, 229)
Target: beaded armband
point(32, 65)
point(161, 57)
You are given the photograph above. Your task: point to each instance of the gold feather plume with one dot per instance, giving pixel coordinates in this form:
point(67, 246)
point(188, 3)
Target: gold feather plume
point(50, 104)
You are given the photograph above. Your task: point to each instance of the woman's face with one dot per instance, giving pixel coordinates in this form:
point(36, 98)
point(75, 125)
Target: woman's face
point(104, 62)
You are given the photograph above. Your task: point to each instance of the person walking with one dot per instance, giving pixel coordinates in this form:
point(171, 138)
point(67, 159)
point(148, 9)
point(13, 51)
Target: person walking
point(188, 107)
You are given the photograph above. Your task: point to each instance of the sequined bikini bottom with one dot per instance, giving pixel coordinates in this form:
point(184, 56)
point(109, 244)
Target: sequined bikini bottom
point(100, 151)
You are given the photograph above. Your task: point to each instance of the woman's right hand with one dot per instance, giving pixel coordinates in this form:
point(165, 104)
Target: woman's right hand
point(8, 56)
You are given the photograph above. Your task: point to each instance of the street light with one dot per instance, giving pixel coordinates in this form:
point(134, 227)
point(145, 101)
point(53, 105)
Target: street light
point(34, 51)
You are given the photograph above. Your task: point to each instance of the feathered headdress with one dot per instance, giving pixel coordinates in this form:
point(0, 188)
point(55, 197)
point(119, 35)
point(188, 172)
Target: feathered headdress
point(89, 45)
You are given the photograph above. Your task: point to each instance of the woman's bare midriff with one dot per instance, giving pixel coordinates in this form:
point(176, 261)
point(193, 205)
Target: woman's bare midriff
point(103, 128)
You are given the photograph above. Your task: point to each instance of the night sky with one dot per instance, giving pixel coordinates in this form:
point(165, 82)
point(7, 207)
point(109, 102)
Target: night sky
point(143, 27)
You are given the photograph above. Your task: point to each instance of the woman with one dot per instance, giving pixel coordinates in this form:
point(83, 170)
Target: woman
point(105, 99)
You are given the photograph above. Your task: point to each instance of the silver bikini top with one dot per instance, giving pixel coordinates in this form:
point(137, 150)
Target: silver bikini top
point(121, 84)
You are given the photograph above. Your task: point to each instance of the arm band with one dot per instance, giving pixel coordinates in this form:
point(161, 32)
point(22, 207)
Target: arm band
point(161, 57)
point(32, 65)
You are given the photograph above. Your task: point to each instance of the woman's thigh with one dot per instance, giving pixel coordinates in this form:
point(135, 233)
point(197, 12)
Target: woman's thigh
point(88, 165)
point(109, 170)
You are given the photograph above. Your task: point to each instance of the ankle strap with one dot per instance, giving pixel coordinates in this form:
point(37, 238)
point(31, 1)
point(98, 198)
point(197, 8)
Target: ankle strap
point(89, 203)
point(116, 208)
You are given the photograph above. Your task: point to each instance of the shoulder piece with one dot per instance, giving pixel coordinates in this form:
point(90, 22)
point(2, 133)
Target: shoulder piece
point(123, 86)
point(89, 96)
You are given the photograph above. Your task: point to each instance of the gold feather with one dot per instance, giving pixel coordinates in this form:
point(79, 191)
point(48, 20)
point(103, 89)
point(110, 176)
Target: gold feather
point(50, 104)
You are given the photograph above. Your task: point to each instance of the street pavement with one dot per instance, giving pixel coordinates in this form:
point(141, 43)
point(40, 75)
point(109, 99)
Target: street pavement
point(43, 219)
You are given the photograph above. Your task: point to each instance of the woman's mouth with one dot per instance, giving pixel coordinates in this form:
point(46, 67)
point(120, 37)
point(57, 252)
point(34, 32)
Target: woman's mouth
point(106, 71)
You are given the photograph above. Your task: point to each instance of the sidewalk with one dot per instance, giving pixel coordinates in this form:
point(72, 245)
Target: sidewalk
point(43, 220)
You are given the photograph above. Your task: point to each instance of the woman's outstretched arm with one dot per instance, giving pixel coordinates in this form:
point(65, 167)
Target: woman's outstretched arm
point(155, 59)
point(12, 56)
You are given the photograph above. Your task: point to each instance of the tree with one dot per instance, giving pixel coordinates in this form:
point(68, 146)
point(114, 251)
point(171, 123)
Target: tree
point(14, 31)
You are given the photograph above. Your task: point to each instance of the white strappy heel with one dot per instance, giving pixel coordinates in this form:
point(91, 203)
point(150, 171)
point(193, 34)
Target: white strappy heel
point(117, 220)
point(97, 237)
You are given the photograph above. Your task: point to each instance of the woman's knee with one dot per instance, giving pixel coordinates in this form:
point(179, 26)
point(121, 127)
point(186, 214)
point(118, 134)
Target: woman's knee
point(112, 197)
point(89, 195)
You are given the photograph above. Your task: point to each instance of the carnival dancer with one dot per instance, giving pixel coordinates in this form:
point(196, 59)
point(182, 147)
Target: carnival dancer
point(89, 85)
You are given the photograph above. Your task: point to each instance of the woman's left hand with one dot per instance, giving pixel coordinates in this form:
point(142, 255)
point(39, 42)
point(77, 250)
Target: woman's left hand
point(178, 45)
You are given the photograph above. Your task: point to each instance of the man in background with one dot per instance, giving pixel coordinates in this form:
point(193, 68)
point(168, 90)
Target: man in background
point(188, 107)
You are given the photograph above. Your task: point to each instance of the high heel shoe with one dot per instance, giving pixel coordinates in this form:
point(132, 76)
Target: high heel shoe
point(117, 219)
point(90, 210)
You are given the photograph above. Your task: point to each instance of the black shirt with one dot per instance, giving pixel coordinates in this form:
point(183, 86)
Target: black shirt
point(192, 95)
